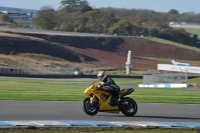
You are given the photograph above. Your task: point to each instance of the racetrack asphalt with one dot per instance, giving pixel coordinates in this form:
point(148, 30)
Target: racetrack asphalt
point(72, 110)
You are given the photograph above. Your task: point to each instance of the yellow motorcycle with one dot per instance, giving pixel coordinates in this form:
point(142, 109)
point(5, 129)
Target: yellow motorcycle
point(97, 100)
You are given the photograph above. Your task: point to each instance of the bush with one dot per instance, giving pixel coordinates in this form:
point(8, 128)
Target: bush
point(6, 18)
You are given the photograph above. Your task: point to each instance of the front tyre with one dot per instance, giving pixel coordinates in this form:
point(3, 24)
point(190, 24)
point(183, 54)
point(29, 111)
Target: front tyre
point(130, 109)
point(88, 108)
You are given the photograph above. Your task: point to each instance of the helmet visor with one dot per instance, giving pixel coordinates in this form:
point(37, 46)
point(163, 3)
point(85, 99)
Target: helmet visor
point(100, 77)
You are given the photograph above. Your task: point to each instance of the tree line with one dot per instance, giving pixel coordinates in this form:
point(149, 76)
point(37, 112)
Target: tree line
point(79, 16)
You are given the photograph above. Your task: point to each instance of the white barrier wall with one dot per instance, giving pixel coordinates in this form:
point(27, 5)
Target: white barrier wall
point(189, 69)
point(162, 85)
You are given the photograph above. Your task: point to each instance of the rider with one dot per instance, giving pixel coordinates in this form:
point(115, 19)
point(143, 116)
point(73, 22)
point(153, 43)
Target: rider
point(108, 84)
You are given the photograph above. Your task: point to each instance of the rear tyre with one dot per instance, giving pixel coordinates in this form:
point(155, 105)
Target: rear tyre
point(90, 109)
point(130, 109)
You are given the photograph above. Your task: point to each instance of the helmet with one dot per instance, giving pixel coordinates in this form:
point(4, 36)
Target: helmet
point(101, 75)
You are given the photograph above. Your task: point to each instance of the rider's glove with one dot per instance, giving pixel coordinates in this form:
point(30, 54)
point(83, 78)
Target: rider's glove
point(101, 83)
point(99, 86)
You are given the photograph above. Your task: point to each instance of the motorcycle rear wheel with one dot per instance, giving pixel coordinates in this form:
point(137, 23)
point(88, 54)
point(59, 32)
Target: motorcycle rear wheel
point(130, 109)
point(90, 109)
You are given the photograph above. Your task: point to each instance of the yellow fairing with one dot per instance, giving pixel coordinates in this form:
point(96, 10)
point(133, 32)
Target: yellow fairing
point(104, 106)
point(107, 108)
point(89, 90)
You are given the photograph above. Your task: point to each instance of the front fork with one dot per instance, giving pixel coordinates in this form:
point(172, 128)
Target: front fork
point(92, 100)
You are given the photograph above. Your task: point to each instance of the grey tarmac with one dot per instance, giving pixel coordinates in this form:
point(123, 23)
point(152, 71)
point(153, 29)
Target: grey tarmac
point(72, 110)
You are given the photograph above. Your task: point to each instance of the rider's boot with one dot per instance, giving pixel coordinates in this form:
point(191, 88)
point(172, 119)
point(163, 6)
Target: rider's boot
point(112, 102)
point(122, 101)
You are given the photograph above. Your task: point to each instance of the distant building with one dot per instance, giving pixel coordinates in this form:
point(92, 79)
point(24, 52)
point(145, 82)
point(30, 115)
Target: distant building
point(198, 41)
point(16, 16)
point(195, 40)
point(19, 14)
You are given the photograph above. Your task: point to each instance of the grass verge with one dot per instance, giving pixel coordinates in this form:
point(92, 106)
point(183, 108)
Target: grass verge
point(173, 43)
point(194, 31)
point(100, 130)
point(72, 90)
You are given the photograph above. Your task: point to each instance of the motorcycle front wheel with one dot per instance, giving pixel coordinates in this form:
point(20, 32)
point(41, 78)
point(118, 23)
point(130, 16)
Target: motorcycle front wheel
point(130, 109)
point(90, 109)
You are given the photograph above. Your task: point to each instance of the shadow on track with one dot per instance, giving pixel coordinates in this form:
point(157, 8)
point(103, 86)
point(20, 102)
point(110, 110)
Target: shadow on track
point(168, 117)
point(152, 117)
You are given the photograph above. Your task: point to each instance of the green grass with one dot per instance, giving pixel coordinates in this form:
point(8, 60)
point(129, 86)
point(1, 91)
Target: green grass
point(67, 90)
point(194, 31)
point(100, 130)
point(40, 56)
point(172, 43)
point(195, 81)
point(191, 30)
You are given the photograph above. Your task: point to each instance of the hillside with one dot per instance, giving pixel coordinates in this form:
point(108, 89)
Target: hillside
point(101, 52)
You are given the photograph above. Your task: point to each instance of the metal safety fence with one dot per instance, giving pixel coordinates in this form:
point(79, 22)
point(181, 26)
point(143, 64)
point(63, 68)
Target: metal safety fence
point(171, 77)
point(46, 70)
